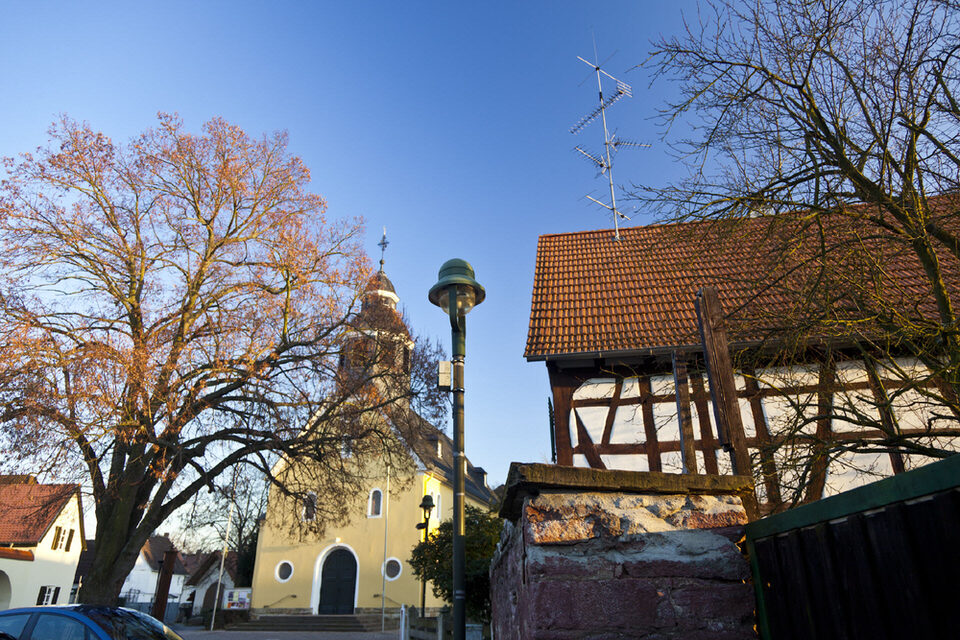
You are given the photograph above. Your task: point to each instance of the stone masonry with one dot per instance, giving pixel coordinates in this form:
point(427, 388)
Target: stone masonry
point(607, 554)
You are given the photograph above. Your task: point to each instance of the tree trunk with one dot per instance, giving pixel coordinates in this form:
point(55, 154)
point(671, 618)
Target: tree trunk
point(117, 547)
point(102, 584)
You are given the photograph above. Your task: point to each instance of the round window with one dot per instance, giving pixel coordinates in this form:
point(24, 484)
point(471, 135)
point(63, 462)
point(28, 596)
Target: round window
point(392, 569)
point(283, 571)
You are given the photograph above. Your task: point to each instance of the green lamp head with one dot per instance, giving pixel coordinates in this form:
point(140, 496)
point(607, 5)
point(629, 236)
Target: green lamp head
point(469, 292)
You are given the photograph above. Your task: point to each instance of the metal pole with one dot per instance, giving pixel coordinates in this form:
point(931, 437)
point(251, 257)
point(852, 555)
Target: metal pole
point(423, 582)
point(458, 339)
point(223, 557)
point(383, 567)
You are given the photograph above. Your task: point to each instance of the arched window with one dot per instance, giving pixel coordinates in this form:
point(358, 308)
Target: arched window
point(309, 507)
point(374, 504)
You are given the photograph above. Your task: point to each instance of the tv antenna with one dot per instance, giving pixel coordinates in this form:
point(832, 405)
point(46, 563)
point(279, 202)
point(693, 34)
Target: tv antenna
point(611, 144)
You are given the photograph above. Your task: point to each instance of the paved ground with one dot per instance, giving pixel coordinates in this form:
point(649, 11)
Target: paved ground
point(196, 633)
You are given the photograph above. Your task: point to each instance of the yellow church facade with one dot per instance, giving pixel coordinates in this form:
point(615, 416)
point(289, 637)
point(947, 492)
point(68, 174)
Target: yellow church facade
point(360, 560)
point(304, 569)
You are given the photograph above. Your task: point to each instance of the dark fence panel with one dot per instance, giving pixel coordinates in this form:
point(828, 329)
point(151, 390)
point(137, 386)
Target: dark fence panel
point(880, 561)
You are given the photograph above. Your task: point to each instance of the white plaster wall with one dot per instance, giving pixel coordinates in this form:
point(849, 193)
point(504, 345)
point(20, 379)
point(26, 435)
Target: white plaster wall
point(144, 579)
point(49, 567)
point(210, 578)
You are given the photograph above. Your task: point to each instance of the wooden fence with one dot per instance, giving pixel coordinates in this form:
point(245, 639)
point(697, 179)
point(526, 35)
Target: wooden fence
point(880, 561)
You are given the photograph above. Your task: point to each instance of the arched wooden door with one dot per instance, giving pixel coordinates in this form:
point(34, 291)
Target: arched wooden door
point(338, 583)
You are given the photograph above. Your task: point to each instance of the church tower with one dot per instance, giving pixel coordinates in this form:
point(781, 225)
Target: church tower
point(379, 347)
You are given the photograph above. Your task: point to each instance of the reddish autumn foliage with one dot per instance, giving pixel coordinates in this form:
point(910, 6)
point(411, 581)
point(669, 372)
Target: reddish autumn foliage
point(169, 308)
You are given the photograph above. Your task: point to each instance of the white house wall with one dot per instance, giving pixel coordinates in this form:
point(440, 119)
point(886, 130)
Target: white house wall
point(50, 567)
point(141, 583)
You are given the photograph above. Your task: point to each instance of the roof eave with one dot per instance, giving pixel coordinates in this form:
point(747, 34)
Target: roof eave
point(621, 354)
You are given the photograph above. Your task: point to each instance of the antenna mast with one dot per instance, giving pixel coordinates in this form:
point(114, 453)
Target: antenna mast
point(611, 144)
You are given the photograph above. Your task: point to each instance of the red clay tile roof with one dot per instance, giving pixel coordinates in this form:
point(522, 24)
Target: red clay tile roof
point(154, 549)
point(212, 561)
point(28, 510)
point(594, 295)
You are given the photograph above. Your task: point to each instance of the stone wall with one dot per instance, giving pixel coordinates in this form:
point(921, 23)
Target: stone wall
point(582, 563)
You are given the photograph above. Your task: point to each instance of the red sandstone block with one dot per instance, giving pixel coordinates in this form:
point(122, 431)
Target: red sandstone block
point(741, 632)
point(730, 566)
point(730, 602)
point(592, 606)
point(698, 520)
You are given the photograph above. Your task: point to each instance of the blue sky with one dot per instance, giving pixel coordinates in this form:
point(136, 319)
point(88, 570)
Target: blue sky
point(446, 123)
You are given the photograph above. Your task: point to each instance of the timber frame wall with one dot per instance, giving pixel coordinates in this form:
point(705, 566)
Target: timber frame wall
point(690, 390)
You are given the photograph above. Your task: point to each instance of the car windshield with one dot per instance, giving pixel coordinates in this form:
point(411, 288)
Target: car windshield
point(127, 624)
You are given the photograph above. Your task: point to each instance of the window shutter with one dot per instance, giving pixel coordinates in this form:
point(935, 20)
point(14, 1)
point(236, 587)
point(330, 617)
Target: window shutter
point(56, 537)
point(69, 539)
point(56, 593)
point(43, 593)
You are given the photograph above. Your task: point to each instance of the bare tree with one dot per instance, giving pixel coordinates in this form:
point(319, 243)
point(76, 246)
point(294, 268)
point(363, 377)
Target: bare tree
point(171, 308)
point(837, 121)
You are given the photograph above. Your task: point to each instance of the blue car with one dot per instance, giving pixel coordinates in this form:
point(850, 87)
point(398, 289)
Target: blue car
point(81, 622)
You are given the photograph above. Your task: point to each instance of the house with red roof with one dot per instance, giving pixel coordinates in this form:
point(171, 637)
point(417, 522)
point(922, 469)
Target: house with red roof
point(200, 590)
point(616, 325)
point(41, 537)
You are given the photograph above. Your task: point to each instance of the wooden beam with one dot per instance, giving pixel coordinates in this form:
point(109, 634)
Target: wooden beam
point(891, 426)
point(700, 401)
point(563, 385)
point(649, 426)
point(684, 417)
point(818, 469)
point(723, 388)
point(585, 445)
point(612, 411)
point(767, 462)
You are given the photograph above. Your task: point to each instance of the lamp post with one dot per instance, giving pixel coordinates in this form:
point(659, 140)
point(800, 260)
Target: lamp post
point(456, 292)
point(427, 505)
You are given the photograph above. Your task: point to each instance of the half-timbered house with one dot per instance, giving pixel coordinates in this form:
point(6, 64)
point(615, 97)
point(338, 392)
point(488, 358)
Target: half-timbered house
point(616, 324)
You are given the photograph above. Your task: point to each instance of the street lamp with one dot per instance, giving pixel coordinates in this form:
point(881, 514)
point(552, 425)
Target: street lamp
point(427, 505)
point(457, 293)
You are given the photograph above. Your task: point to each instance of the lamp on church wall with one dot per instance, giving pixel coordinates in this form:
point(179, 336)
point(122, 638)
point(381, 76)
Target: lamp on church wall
point(457, 293)
point(427, 506)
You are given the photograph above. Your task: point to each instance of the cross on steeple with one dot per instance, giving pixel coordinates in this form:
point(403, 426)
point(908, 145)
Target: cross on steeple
point(383, 247)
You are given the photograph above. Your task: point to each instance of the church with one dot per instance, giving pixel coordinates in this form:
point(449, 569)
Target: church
point(362, 566)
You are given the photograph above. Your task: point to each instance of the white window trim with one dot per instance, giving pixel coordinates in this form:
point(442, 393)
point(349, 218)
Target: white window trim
point(276, 571)
point(370, 513)
point(383, 569)
point(49, 590)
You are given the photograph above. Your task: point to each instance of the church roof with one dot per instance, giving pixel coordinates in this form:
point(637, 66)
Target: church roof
point(378, 310)
point(380, 282)
point(439, 460)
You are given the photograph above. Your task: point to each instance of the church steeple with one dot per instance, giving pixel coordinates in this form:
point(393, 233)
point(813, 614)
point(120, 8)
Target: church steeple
point(380, 343)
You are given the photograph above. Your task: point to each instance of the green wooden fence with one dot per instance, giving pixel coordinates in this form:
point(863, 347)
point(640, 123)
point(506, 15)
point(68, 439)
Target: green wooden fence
point(879, 561)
